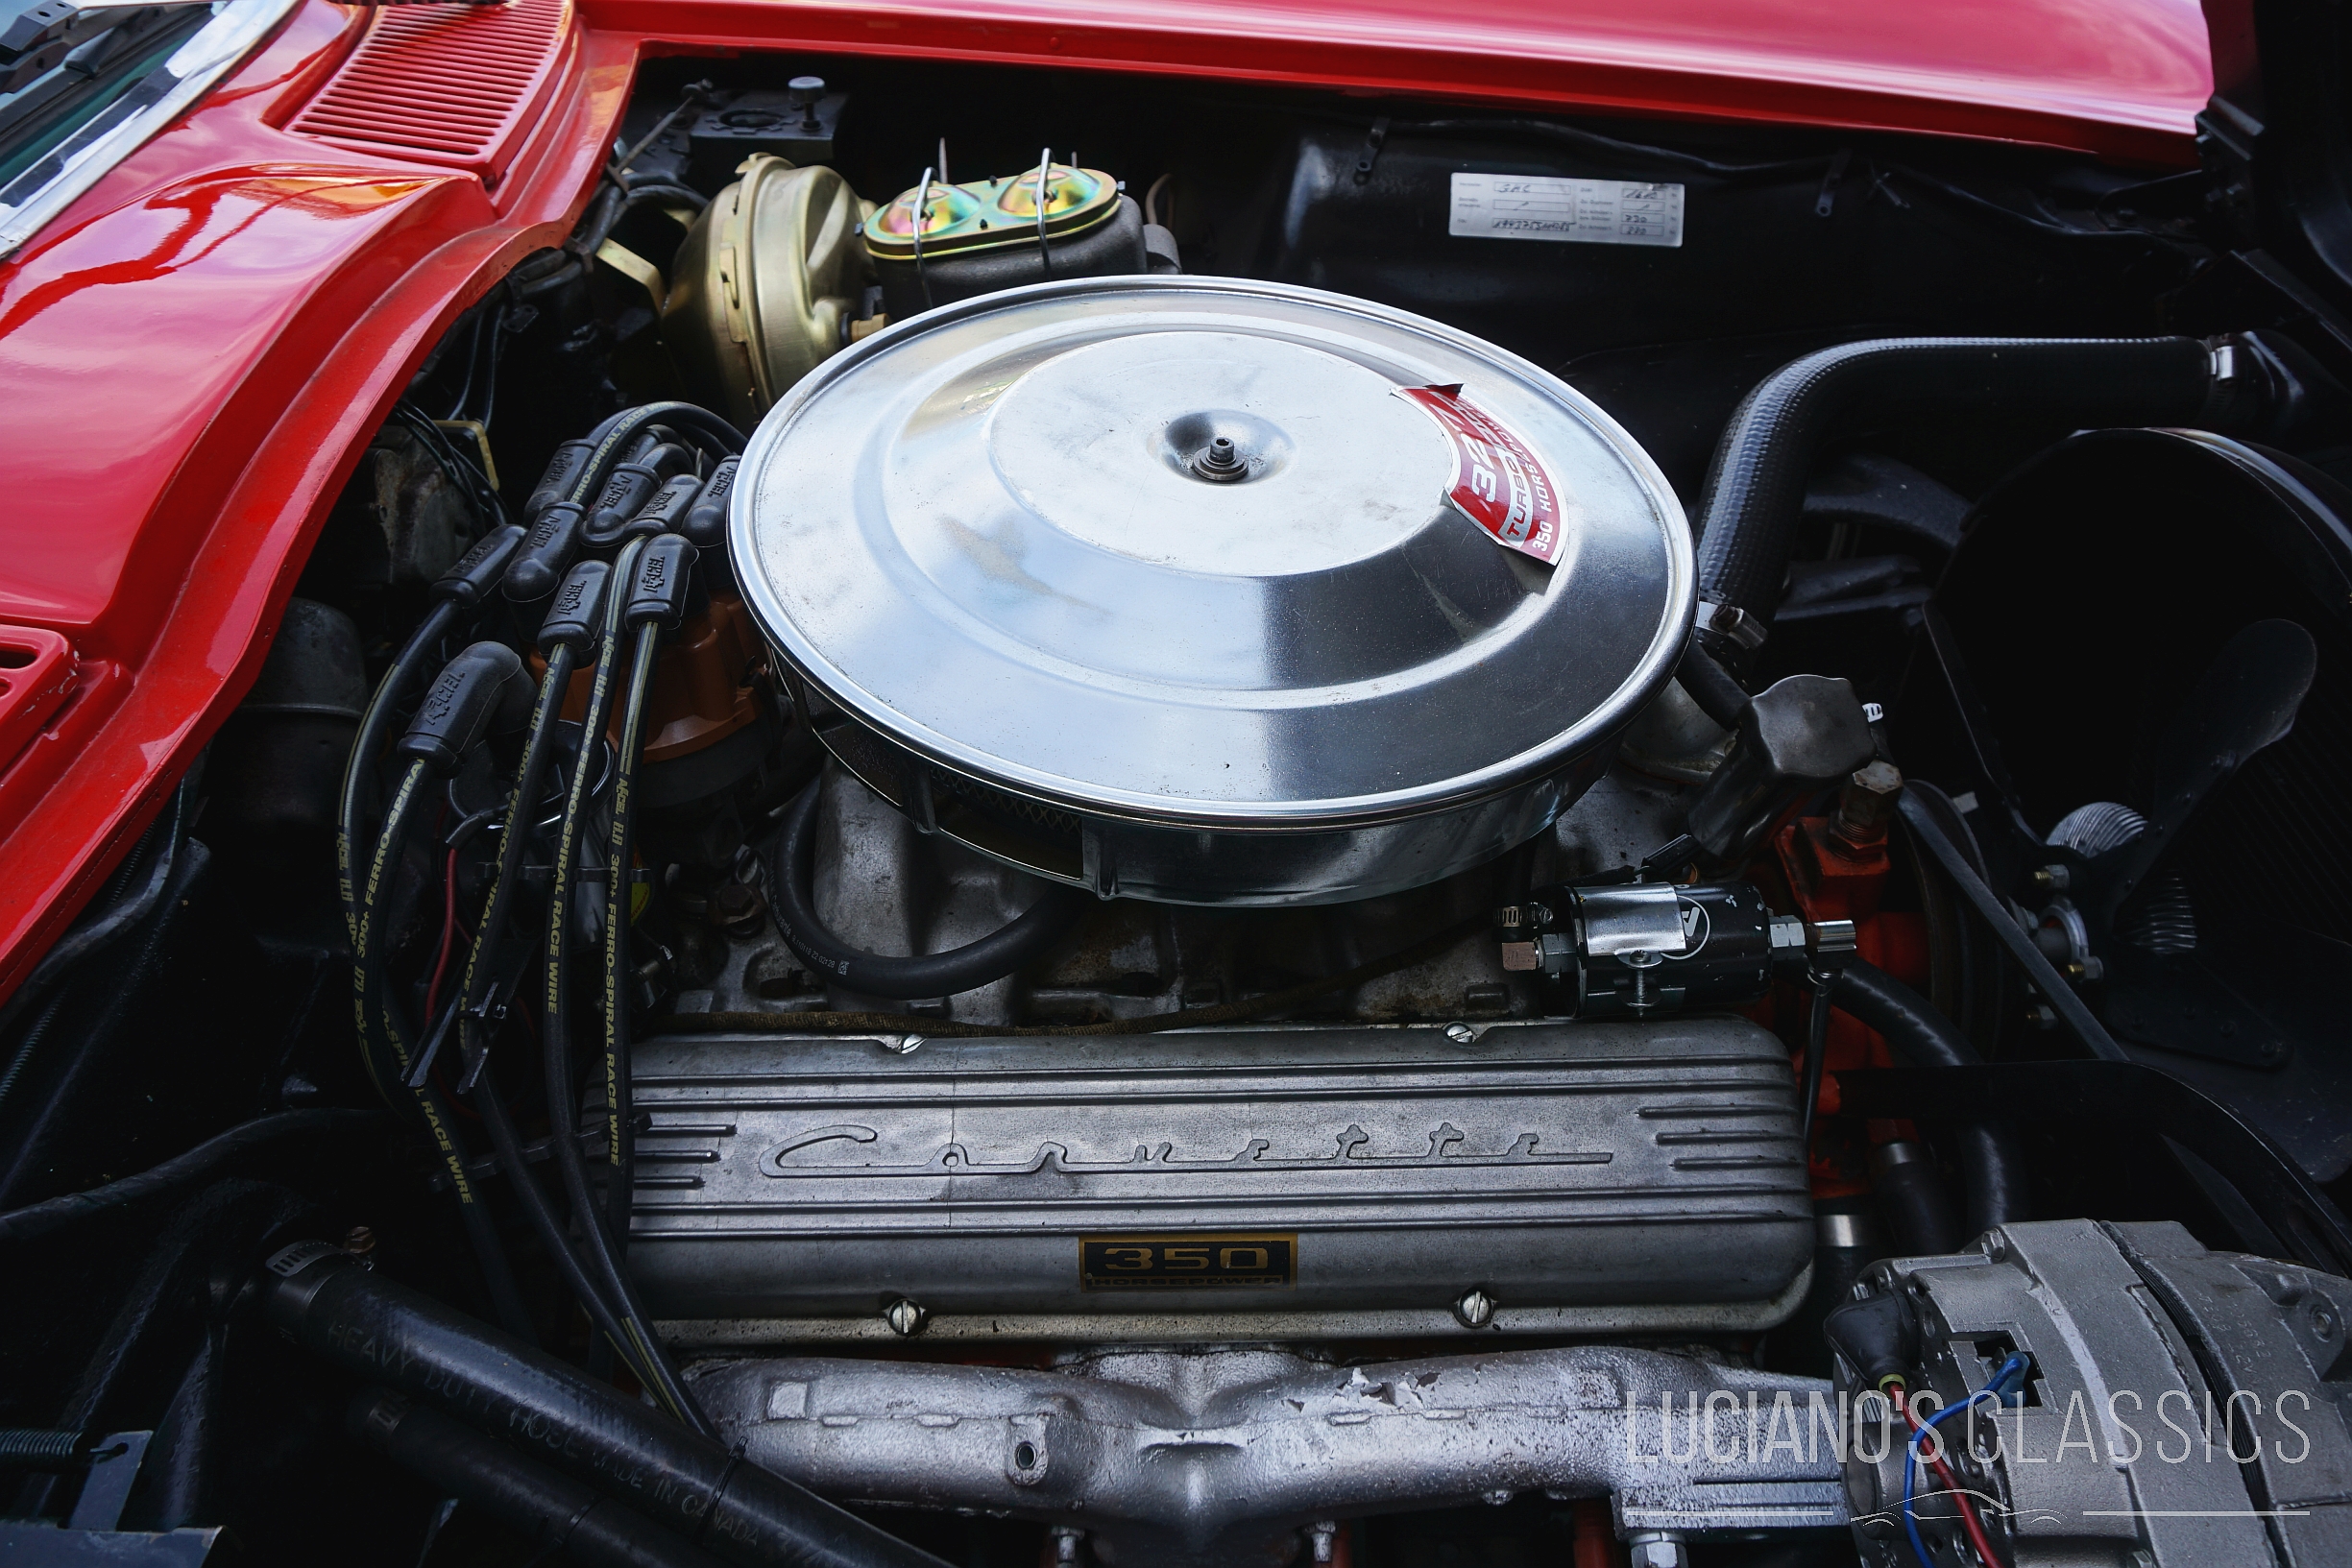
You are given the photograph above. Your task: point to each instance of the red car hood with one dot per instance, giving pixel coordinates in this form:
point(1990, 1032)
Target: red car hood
point(192, 354)
point(2065, 71)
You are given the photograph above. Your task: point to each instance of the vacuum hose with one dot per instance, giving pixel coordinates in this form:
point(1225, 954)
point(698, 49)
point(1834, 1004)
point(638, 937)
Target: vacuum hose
point(1755, 487)
point(793, 880)
point(1992, 1162)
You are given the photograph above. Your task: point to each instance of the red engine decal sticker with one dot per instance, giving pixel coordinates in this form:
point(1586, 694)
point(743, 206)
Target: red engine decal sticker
point(1498, 483)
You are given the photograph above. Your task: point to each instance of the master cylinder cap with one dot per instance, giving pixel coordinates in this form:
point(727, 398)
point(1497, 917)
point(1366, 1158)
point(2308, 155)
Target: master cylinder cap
point(1210, 590)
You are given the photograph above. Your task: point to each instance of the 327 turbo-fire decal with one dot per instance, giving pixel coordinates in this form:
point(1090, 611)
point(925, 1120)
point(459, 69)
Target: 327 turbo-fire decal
point(1498, 482)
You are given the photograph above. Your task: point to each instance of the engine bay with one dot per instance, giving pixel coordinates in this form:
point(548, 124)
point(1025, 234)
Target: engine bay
point(1341, 821)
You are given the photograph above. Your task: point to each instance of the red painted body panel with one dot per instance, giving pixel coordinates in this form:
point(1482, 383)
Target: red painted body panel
point(192, 356)
point(2118, 78)
point(190, 360)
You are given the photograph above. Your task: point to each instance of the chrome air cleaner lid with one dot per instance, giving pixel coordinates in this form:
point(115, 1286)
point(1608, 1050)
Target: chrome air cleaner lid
point(1194, 555)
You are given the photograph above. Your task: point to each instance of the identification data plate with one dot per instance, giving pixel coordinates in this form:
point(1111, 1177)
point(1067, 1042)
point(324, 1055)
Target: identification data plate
point(1187, 1262)
point(1582, 211)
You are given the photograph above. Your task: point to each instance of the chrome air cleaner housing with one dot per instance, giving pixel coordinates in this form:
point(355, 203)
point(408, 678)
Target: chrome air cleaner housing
point(1208, 591)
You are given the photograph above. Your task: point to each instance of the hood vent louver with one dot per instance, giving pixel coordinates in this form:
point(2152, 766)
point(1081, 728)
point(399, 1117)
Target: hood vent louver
point(450, 85)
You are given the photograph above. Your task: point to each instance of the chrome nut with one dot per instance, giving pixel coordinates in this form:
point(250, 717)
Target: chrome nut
point(1657, 1548)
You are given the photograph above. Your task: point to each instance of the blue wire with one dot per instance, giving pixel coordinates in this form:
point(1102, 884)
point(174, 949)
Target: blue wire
point(1999, 1391)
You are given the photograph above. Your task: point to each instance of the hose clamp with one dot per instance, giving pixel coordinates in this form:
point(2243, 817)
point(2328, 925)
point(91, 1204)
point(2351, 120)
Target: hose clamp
point(293, 1276)
point(1829, 945)
point(1731, 624)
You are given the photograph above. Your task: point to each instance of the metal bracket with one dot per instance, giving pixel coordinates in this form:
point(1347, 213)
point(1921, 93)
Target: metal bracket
point(2053, 985)
point(1373, 140)
point(114, 1464)
point(1826, 203)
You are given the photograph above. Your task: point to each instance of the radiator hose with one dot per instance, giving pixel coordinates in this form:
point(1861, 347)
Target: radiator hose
point(1991, 1163)
point(558, 1417)
point(792, 879)
point(559, 1516)
point(1756, 484)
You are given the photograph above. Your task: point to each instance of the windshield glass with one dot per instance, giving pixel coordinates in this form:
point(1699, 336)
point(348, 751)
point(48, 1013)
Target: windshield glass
point(82, 86)
point(71, 68)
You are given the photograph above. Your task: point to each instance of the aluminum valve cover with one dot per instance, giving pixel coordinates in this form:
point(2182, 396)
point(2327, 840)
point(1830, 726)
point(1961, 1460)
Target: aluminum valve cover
point(1211, 590)
point(1558, 1168)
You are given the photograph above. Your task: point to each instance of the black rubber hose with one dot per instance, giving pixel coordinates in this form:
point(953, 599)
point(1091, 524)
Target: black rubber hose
point(135, 890)
point(1992, 1161)
point(1711, 686)
point(365, 1323)
point(563, 904)
point(620, 1134)
point(600, 1291)
point(1756, 486)
point(383, 1036)
point(29, 1047)
point(99, 928)
point(555, 1514)
point(615, 435)
point(351, 844)
point(1912, 1199)
point(668, 191)
point(635, 1342)
point(640, 1346)
point(40, 1219)
point(555, 1001)
point(521, 811)
point(793, 875)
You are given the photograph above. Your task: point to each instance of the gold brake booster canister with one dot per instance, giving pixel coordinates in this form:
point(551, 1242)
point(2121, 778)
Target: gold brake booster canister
point(772, 278)
point(766, 284)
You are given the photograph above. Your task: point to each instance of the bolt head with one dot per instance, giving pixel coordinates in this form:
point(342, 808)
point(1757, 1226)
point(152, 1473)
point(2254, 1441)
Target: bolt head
point(906, 1316)
point(739, 908)
point(1460, 1034)
point(1475, 1308)
point(1879, 779)
point(1658, 1551)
